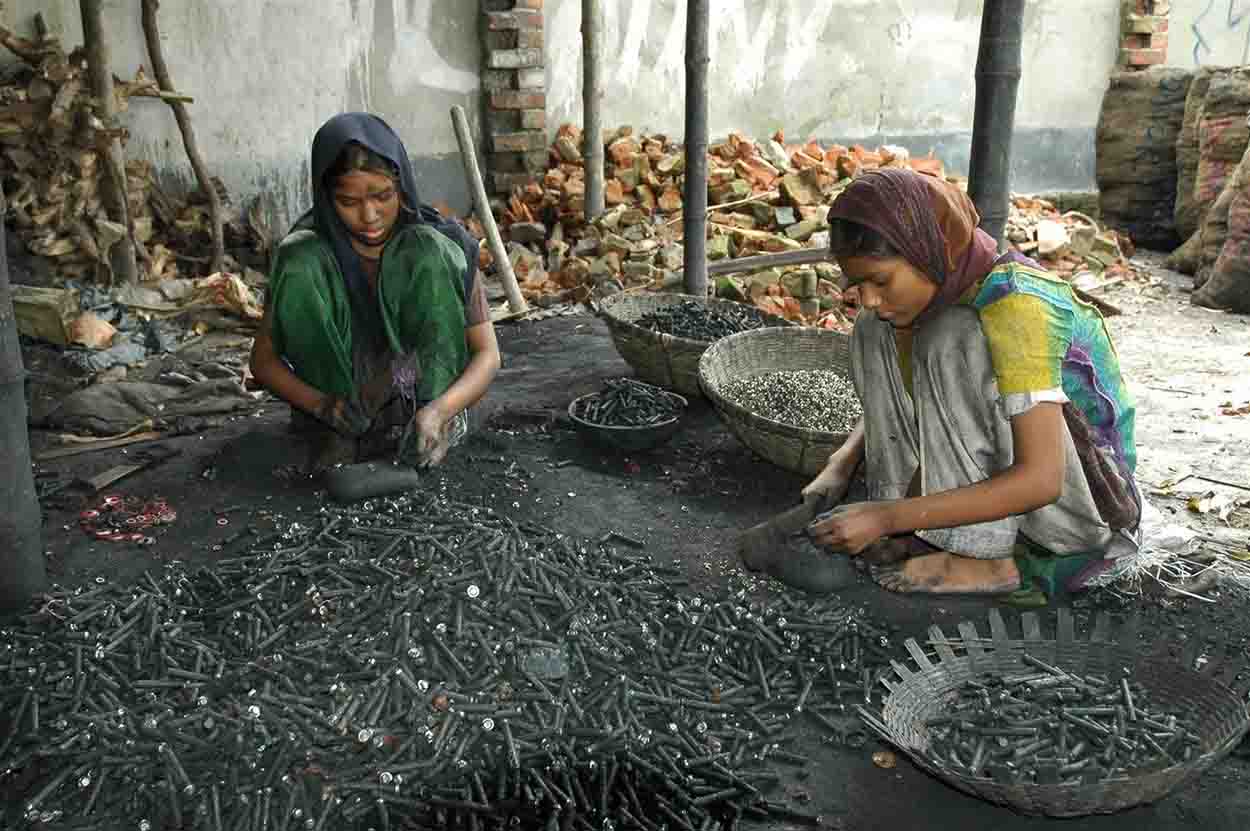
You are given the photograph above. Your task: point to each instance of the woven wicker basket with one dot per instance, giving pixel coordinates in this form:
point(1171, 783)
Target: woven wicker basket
point(658, 358)
point(774, 350)
point(1204, 695)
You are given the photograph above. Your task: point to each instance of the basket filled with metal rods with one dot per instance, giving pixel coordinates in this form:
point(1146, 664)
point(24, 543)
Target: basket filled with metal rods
point(1060, 725)
point(662, 336)
point(785, 393)
point(628, 414)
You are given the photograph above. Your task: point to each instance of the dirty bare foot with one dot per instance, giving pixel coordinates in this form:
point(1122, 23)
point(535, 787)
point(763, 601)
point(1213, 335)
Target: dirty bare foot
point(891, 550)
point(945, 573)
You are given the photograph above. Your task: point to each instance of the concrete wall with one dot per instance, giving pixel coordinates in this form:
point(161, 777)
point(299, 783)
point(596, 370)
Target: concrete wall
point(852, 70)
point(266, 73)
point(1204, 32)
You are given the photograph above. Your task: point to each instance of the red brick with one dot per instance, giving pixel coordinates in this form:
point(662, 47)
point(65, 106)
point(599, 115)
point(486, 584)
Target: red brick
point(518, 100)
point(534, 161)
point(1142, 57)
point(497, 41)
point(529, 38)
point(1161, 26)
point(518, 142)
point(497, 80)
point(1159, 42)
point(503, 121)
point(537, 5)
point(505, 182)
point(519, 19)
point(514, 58)
point(533, 119)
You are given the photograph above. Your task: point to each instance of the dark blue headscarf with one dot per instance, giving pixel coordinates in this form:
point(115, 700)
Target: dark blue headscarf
point(376, 135)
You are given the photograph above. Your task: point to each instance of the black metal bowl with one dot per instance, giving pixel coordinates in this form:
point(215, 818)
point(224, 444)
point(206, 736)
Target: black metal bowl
point(629, 438)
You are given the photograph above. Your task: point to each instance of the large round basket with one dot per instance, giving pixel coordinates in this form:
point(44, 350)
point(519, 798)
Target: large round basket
point(659, 358)
point(1195, 690)
point(775, 350)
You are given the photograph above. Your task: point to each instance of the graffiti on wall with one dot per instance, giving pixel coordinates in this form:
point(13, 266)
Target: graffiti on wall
point(1209, 25)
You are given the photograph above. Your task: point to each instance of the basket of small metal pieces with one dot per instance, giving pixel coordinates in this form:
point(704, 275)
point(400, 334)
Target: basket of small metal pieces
point(628, 414)
point(1059, 725)
point(662, 336)
point(785, 393)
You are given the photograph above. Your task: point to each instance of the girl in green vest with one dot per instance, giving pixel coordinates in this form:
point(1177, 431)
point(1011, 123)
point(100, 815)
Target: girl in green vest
point(376, 322)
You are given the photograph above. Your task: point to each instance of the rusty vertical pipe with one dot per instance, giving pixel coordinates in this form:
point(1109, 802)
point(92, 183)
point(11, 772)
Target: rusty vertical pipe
point(999, 61)
point(694, 221)
point(592, 104)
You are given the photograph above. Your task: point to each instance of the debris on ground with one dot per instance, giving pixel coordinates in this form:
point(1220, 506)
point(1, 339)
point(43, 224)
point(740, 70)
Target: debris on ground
point(422, 660)
point(765, 197)
point(1070, 244)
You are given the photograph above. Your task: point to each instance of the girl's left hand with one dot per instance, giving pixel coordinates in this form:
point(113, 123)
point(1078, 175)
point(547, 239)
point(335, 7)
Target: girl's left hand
point(433, 437)
point(852, 528)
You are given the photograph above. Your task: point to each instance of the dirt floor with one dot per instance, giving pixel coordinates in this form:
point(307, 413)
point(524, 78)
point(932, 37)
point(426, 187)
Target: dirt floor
point(688, 499)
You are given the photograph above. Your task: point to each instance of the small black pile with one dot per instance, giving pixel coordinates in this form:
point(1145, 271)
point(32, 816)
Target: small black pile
point(694, 320)
point(1052, 727)
point(624, 402)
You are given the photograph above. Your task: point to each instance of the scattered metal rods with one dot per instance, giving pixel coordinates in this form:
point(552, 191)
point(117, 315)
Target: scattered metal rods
point(624, 402)
point(419, 663)
point(694, 320)
point(1050, 727)
point(812, 399)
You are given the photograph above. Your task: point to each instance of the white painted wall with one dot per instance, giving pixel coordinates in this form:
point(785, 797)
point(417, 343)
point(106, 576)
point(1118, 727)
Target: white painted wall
point(1209, 32)
point(840, 69)
point(266, 73)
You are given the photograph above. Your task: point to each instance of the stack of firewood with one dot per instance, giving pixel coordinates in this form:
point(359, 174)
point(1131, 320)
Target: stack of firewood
point(52, 144)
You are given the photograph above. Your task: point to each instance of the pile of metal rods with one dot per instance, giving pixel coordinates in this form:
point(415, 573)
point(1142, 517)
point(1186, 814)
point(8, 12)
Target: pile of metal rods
point(696, 321)
point(1051, 727)
point(420, 663)
point(624, 402)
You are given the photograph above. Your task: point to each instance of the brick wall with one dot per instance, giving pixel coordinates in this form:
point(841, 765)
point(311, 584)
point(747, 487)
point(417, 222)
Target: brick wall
point(1144, 33)
point(514, 92)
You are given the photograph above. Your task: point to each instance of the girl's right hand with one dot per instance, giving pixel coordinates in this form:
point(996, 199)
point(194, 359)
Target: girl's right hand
point(343, 416)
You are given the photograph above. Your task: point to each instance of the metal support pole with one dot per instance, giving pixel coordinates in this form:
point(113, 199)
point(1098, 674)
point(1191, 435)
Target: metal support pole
point(997, 79)
point(22, 570)
point(592, 103)
point(694, 222)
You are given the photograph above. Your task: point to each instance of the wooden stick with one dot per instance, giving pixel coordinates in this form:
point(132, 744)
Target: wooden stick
point(162, 94)
point(592, 105)
point(756, 198)
point(1107, 309)
point(161, 70)
point(70, 438)
point(103, 444)
point(759, 262)
point(122, 258)
point(481, 204)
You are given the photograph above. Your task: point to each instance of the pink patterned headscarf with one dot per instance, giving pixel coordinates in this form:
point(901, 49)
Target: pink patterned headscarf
point(930, 222)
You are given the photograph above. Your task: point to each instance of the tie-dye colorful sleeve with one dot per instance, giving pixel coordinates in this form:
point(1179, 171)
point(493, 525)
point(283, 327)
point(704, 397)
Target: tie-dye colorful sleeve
point(1028, 335)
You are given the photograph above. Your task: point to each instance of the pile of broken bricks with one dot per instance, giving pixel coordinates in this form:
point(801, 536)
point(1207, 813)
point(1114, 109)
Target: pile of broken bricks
point(764, 197)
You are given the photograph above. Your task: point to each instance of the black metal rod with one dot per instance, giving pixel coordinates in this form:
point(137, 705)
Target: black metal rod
point(694, 222)
point(997, 79)
point(22, 571)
